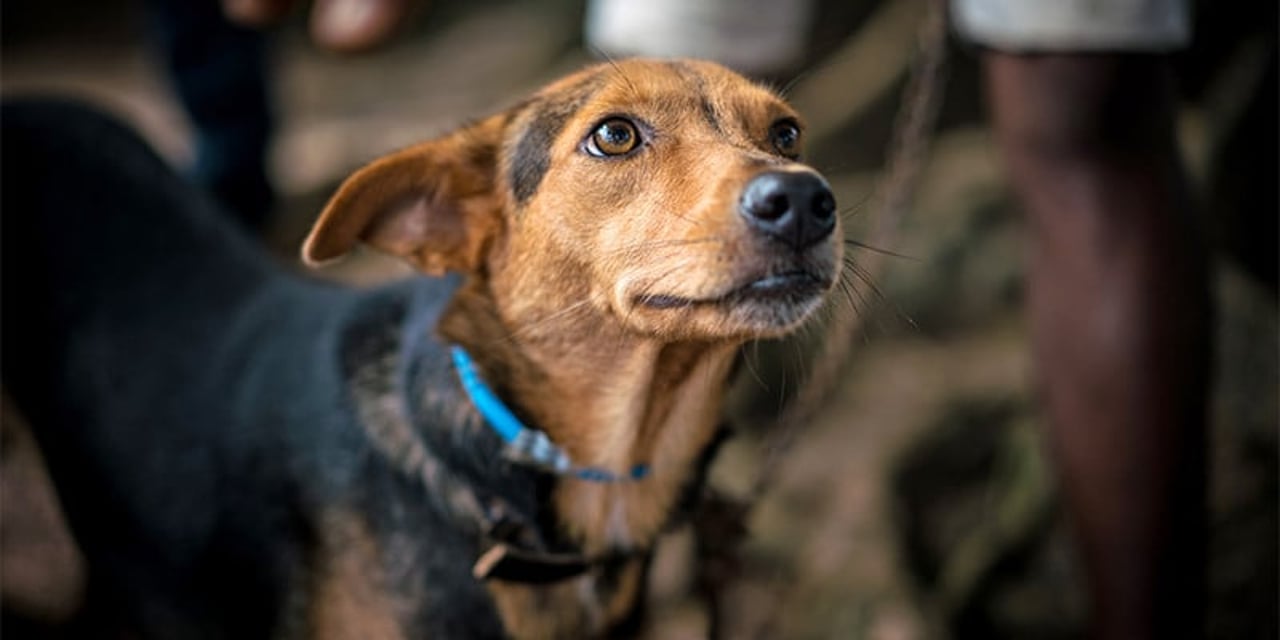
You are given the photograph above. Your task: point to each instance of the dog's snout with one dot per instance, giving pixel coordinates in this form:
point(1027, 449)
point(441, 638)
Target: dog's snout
point(796, 208)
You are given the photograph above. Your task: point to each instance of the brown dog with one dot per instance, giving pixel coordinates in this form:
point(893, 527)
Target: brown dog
point(242, 452)
point(622, 233)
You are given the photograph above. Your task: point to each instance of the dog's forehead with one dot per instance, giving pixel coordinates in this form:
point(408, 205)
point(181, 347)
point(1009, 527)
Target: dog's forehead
point(658, 88)
point(640, 76)
point(675, 86)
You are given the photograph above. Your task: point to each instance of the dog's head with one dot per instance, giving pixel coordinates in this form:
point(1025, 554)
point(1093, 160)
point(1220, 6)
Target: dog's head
point(666, 196)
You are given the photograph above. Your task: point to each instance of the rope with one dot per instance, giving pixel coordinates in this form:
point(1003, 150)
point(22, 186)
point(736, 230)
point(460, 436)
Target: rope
point(912, 130)
point(913, 127)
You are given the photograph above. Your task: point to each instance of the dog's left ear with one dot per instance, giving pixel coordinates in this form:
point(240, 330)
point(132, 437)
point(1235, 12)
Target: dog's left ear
point(434, 204)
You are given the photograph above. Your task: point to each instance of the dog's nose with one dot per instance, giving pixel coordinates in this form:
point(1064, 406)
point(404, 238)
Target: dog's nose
point(794, 207)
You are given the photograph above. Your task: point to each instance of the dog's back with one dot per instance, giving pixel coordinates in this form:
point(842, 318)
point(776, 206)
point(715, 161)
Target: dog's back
point(199, 407)
point(126, 300)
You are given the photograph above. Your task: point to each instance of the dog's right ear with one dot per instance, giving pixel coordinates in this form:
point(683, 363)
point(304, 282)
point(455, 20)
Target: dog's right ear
point(434, 205)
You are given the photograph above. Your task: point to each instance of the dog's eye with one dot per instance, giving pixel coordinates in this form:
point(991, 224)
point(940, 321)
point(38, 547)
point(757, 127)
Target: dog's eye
point(614, 137)
point(785, 136)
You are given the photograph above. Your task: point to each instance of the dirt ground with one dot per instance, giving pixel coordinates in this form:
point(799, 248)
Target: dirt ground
point(918, 504)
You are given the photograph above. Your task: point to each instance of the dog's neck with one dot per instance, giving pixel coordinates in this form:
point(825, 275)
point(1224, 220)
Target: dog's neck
point(610, 398)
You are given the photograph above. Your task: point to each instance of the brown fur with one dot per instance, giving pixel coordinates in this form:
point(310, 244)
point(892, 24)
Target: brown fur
point(348, 596)
point(560, 251)
point(566, 609)
point(42, 573)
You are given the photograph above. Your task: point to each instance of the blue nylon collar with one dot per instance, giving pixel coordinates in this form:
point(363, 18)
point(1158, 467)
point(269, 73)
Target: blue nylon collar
point(529, 446)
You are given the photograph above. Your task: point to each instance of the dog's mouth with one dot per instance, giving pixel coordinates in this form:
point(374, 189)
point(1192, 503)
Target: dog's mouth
point(796, 287)
point(749, 289)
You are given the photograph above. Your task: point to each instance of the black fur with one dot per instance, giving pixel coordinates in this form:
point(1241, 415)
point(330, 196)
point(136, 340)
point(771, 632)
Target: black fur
point(532, 155)
point(199, 406)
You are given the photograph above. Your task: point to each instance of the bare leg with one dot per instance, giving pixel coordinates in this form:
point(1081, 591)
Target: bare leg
point(1119, 313)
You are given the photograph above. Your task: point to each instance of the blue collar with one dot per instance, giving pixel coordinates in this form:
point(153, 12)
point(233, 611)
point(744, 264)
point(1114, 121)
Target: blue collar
point(527, 445)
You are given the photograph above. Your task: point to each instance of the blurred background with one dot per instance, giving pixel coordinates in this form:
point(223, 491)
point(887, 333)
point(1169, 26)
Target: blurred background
point(919, 503)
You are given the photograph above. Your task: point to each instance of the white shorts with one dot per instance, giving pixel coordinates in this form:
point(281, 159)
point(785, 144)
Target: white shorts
point(1074, 25)
point(752, 36)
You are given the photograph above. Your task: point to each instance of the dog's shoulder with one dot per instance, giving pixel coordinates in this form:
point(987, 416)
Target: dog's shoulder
point(405, 393)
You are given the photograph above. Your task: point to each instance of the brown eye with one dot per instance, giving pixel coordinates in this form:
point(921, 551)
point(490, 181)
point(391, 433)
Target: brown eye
point(785, 136)
point(614, 137)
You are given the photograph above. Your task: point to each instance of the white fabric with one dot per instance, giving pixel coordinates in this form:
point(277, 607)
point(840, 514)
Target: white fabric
point(1074, 25)
point(751, 36)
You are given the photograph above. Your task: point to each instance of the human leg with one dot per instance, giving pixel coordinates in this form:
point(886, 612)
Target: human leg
point(1119, 314)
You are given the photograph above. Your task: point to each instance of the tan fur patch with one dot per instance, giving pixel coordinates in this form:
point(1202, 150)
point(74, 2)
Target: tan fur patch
point(575, 608)
point(349, 598)
point(42, 572)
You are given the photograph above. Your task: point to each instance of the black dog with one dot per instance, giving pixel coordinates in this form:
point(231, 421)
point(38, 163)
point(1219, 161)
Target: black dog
point(197, 407)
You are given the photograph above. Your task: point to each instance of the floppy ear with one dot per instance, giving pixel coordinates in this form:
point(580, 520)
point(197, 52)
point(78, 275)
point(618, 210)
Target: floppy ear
point(434, 204)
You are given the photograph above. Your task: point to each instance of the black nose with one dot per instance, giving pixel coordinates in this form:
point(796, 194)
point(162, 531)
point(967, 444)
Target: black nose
point(794, 207)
